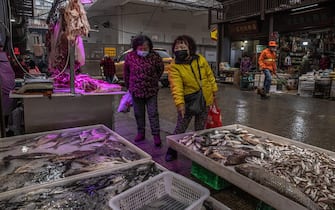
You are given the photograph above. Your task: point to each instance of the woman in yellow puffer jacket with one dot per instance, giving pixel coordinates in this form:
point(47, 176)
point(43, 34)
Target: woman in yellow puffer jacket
point(184, 79)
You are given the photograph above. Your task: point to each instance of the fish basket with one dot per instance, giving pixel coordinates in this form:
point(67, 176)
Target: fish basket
point(167, 190)
point(208, 177)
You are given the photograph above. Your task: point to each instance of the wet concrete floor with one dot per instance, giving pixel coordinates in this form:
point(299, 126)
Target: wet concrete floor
point(309, 120)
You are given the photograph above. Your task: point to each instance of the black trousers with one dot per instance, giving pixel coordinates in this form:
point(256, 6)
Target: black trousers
point(139, 105)
point(183, 123)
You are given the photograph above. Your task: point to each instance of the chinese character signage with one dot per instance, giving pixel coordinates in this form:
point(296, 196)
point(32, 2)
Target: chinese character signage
point(245, 27)
point(111, 51)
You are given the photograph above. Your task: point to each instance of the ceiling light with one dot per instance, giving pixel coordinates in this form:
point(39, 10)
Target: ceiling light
point(304, 7)
point(305, 43)
point(12, 20)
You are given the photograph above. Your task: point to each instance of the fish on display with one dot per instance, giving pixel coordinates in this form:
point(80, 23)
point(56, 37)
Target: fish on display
point(40, 167)
point(227, 146)
point(28, 156)
point(55, 140)
point(88, 193)
point(312, 172)
point(276, 183)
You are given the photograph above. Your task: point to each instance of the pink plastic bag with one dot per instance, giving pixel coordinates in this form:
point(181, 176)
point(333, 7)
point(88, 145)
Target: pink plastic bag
point(125, 103)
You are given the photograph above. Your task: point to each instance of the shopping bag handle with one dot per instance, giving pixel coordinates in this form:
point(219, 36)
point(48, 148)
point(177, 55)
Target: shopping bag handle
point(215, 104)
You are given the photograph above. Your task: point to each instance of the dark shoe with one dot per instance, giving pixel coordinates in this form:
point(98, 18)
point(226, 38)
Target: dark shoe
point(139, 137)
point(171, 155)
point(266, 96)
point(261, 92)
point(157, 140)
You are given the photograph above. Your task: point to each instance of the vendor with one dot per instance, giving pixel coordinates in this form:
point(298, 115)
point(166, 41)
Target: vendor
point(7, 81)
point(245, 66)
point(288, 63)
point(324, 62)
point(305, 65)
point(32, 68)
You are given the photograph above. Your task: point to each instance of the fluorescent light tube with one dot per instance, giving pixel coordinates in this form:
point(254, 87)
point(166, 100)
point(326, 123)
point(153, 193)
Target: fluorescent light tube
point(304, 7)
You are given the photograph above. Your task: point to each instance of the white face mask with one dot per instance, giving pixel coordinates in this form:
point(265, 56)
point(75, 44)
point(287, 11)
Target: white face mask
point(142, 53)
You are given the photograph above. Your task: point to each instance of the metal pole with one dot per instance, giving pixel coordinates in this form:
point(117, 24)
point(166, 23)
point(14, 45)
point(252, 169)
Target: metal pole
point(219, 49)
point(72, 51)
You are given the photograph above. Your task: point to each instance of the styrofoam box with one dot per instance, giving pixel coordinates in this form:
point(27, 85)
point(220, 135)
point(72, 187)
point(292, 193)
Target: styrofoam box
point(179, 188)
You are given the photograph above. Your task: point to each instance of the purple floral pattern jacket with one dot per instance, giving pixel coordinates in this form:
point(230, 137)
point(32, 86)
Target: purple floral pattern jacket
point(141, 74)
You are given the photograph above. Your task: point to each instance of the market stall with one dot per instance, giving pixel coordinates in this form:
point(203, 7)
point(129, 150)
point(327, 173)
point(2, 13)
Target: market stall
point(63, 94)
point(68, 110)
point(271, 160)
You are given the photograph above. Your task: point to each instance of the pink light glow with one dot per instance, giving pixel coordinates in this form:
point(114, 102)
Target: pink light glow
point(86, 1)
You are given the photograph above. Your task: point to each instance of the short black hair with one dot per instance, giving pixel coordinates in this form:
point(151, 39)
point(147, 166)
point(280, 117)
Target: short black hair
point(189, 41)
point(140, 40)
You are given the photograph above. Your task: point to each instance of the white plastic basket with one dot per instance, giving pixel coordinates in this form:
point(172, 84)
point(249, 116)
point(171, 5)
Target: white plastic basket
point(167, 190)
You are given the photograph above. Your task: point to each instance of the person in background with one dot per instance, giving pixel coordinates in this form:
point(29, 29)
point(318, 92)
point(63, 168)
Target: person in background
point(32, 68)
point(238, 63)
point(324, 62)
point(184, 79)
point(142, 69)
point(42, 65)
point(7, 81)
point(288, 63)
point(19, 73)
point(245, 66)
point(305, 64)
point(267, 63)
point(108, 67)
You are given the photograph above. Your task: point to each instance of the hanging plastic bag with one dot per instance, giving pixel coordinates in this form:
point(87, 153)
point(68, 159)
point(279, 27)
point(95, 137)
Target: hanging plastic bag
point(214, 118)
point(115, 79)
point(125, 103)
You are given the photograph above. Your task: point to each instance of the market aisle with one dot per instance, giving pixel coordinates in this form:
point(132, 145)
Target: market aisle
point(309, 120)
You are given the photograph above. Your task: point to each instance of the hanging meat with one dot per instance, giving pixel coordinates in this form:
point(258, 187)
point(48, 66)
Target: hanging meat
point(76, 20)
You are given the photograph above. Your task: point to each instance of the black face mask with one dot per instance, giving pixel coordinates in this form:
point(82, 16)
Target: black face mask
point(181, 55)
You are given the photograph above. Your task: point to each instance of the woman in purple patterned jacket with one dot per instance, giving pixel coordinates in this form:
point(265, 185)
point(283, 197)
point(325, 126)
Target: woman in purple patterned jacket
point(143, 68)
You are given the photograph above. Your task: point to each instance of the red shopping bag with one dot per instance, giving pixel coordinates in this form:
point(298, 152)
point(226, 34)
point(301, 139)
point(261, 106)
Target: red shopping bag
point(214, 118)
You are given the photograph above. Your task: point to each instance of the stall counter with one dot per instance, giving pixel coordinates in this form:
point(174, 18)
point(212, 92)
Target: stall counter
point(65, 110)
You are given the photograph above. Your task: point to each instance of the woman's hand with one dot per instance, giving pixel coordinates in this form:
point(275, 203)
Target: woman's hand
point(214, 95)
point(181, 109)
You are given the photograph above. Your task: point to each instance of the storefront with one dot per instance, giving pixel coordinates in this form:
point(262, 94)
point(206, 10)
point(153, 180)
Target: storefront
point(305, 31)
point(307, 47)
point(298, 31)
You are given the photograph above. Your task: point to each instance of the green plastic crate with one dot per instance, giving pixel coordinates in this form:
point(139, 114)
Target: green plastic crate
point(208, 177)
point(263, 206)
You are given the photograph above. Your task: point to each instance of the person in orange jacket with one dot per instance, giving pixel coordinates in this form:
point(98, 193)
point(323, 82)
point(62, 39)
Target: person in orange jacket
point(267, 63)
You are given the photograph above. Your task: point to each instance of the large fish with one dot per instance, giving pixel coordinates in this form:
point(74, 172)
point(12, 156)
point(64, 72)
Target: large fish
point(276, 183)
point(29, 156)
